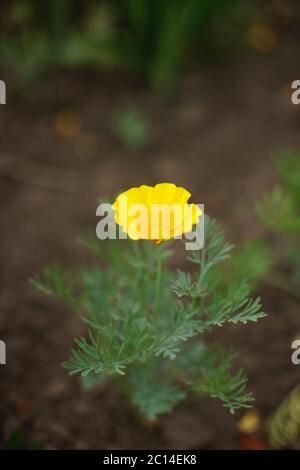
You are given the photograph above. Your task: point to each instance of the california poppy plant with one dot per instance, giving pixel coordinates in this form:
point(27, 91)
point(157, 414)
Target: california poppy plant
point(146, 322)
point(156, 213)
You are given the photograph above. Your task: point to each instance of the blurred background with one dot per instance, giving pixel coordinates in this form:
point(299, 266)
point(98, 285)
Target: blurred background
point(107, 94)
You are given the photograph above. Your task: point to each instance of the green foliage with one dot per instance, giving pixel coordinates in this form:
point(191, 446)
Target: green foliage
point(156, 356)
point(251, 261)
point(255, 260)
point(217, 380)
point(157, 35)
point(56, 282)
point(91, 380)
point(132, 129)
point(155, 38)
point(17, 441)
point(214, 252)
point(292, 255)
point(152, 392)
point(288, 169)
point(38, 36)
point(279, 210)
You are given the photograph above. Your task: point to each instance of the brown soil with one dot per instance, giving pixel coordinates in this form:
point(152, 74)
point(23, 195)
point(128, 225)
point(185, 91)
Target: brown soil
point(216, 137)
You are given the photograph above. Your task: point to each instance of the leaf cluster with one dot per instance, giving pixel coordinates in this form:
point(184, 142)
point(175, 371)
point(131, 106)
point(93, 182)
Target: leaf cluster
point(279, 209)
point(157, 357)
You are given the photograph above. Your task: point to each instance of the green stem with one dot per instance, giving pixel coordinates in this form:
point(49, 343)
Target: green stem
point(158, 279)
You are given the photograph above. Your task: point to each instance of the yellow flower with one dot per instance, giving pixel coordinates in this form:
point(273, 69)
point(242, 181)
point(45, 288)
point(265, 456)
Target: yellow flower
point(250, 422)
point(155, 213)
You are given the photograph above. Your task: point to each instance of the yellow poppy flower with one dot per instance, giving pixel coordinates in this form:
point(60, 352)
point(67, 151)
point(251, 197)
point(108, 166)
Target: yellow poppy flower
point(156, 213)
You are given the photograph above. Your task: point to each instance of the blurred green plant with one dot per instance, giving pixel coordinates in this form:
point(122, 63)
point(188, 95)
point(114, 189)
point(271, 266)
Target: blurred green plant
point(155, 351)
point(279, 210)
point(37, 36)
point(155, 38)
point(252, 260)
point(18, 441)
point(132, 129)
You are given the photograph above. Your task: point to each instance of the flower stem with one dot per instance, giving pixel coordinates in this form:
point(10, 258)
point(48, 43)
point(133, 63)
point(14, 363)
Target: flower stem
point(158, 279)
